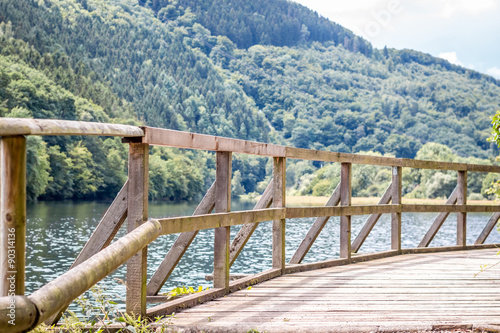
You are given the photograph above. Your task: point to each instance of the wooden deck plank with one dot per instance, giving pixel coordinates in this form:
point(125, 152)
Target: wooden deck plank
point(402, 291)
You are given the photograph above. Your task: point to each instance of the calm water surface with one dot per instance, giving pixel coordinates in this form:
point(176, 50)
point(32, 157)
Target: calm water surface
point(57, 231)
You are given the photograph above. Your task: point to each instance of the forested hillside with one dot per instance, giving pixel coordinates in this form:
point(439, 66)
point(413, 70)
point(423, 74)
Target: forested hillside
point(271, 71)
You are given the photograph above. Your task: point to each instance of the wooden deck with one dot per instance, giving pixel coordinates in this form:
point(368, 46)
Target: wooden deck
point(408, 292)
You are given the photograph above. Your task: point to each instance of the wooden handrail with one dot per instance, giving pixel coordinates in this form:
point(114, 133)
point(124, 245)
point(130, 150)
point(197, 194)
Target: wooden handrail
point(47, 301)
point(26, 126)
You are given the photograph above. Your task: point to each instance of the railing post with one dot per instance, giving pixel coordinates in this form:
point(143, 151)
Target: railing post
point(279, 195)
point(13, 215)
point(396, 200)
point(462, 216)
point(345, 200)
point(137, 213)
point(222, 205)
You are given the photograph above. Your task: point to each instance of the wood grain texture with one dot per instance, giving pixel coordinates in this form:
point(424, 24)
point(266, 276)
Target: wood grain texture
point(222, 233)
point(438, 222)
point(345, 200)
point(279, 195)
point(462, 200)
point(371, 221)
point(397, 174)
point(315, 229)
point(13, 215)
point(492, 222)
point(137, 213)
point(20, 126)
point(171, 138)
point(180, 246)
point(440, 290)
point(247, 230)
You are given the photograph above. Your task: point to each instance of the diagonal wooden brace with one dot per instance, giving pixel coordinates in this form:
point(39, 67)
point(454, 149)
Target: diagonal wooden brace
point(371, 221)
point(179, 247)
point(488, 228)
point(438, 222)
point(247, 230)
point(315, 229)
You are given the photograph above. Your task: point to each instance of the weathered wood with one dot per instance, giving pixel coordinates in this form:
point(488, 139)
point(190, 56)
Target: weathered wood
point(17, 314)
point(222, 205)
point(107, 228)
point(20, 126)
point(173, 225)
point(315, 303)
point(55, 295)
point(171, 138)
point(397, 173)
point(492, 222)
point(180, 246)
point(345, 200)
point(371, 221)
point(462, 200)
point(247, 230)
point(438, 222)
point(13, 215)
point(318, 155)
point(205, 296)
point(279, 196)
point(315, 230)
point(326, 156)
point(137, 213)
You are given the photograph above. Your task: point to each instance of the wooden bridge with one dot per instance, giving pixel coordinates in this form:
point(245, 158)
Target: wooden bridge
point(424, 286)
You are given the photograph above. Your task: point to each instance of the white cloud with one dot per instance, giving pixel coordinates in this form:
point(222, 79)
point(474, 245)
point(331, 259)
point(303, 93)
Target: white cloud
point(451, 7)
point(494, 71)
point(451, 57)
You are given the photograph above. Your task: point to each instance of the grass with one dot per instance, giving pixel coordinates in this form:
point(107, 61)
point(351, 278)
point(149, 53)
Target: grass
point(298, 201)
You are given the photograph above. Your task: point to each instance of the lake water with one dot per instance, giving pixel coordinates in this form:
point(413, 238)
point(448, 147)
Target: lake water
point(57, 231)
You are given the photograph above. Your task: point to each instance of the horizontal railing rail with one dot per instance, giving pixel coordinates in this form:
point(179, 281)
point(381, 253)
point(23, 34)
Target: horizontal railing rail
point(100, 256)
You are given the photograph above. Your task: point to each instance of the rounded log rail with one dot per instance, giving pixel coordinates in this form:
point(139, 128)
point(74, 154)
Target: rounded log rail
point(101, 256)
point(23, 126)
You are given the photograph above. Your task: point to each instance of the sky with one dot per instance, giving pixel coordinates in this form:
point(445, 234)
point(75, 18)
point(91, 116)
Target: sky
point(464, 32)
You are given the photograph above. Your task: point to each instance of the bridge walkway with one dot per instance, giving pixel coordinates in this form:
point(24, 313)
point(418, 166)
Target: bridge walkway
point(408, 292)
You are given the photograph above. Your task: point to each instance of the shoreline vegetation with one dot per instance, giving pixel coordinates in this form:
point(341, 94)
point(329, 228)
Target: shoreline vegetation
point(303, 200)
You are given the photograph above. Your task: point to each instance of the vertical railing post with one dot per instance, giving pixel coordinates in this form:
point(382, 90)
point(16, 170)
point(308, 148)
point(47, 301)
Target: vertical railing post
point(279, 195)
point(13, 215)
point(345, 200)
point(462, 216)
point(137, 213)
point(396, 200)
point(222, 204)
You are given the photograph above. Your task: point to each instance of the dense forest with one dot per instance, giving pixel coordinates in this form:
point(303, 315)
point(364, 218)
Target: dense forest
point(270, 71)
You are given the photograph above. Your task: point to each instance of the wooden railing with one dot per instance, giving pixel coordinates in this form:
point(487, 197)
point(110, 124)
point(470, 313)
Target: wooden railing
point(100, 256)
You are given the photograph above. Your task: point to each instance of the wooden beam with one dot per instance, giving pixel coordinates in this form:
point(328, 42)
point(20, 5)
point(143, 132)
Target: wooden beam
point(107, 228)
point(488, 228)
point(462, 200)
point(56, 294)
point(315, 229)
point(171, 138)
point(345, 200)
point(137, 211)
point(17, 314)
point(279, 195)
point(180, 246)
point(13, 215)
point(222, 234)
point(438, 222)
point(371, 221)
point(396, 216)
point(20, 126)
point(247, 230)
